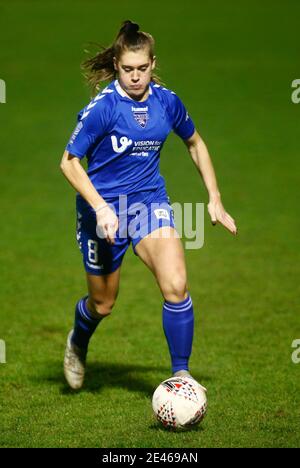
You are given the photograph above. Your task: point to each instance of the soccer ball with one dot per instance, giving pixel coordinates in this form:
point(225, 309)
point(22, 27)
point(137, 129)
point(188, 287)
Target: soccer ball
point(179, 402)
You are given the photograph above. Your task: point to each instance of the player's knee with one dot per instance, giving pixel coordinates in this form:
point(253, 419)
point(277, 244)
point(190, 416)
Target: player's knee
point(176, 288)
point(102, 307)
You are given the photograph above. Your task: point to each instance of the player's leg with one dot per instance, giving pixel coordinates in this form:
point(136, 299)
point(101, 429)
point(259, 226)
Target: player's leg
point(89, 312)
point(92, 309)
point(103, 292)
point(164, 256)
point(102, 264)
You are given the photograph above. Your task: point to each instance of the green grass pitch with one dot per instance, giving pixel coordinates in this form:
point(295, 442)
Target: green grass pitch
point(232, 63)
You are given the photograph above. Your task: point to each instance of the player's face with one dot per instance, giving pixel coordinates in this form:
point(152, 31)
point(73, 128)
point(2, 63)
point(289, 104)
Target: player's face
point(134, 73)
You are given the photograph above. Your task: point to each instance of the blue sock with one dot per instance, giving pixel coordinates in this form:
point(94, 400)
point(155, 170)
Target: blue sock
point(178, 324)
point(84, 324)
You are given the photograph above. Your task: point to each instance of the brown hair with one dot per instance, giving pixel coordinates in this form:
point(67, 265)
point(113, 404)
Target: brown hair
point(101, 67)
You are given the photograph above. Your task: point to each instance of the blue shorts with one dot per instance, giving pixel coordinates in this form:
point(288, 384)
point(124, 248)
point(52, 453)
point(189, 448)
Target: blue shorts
point(139, 214)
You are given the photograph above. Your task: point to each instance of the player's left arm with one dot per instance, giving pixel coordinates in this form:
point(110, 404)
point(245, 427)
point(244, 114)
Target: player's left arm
point(200, 156)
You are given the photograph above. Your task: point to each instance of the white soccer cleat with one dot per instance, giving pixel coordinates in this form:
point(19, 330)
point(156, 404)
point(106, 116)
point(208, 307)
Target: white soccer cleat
point(182, 373)
point(74, 364)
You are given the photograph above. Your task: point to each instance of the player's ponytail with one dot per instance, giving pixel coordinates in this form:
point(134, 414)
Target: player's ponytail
point(129, 29)
point(100, 67)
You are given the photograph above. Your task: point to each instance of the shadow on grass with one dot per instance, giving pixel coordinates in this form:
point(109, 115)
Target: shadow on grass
point(133, 377)
point(103, 375)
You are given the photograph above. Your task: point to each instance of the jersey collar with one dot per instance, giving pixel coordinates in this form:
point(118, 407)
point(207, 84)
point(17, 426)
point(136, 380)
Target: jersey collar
point(122, 93)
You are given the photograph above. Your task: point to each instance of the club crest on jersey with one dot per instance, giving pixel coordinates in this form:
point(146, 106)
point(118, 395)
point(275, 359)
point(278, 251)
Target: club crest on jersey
point(141, 115)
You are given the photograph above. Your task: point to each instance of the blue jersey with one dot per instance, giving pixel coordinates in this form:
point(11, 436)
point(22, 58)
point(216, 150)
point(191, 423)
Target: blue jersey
point(122, 138)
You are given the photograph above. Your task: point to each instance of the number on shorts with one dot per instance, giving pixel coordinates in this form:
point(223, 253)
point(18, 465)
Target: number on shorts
point(93, 251)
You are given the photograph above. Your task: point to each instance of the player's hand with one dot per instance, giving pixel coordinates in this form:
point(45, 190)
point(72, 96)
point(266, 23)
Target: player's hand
point(107, 224)
point(218, 215)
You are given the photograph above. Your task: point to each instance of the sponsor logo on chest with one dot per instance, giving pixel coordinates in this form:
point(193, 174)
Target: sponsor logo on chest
point(141, 115)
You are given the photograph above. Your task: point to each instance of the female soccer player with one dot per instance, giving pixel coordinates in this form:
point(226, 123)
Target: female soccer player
point(122, 199)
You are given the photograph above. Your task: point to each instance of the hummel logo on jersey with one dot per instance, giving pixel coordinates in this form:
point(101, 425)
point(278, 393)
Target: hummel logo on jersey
point(125, 142)
point(76, 131)
point(141, 115)
point(139, 109)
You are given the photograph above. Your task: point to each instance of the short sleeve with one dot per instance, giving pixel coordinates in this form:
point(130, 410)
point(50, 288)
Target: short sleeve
point(91, 126)
point(183, 125)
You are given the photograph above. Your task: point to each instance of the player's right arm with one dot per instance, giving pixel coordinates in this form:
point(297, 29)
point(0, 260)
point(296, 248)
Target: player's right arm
point(75, 174)
point(91, 125)
point(78, 178)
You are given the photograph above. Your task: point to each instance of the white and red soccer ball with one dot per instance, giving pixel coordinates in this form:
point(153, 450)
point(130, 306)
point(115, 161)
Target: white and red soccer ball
point(179, 402)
